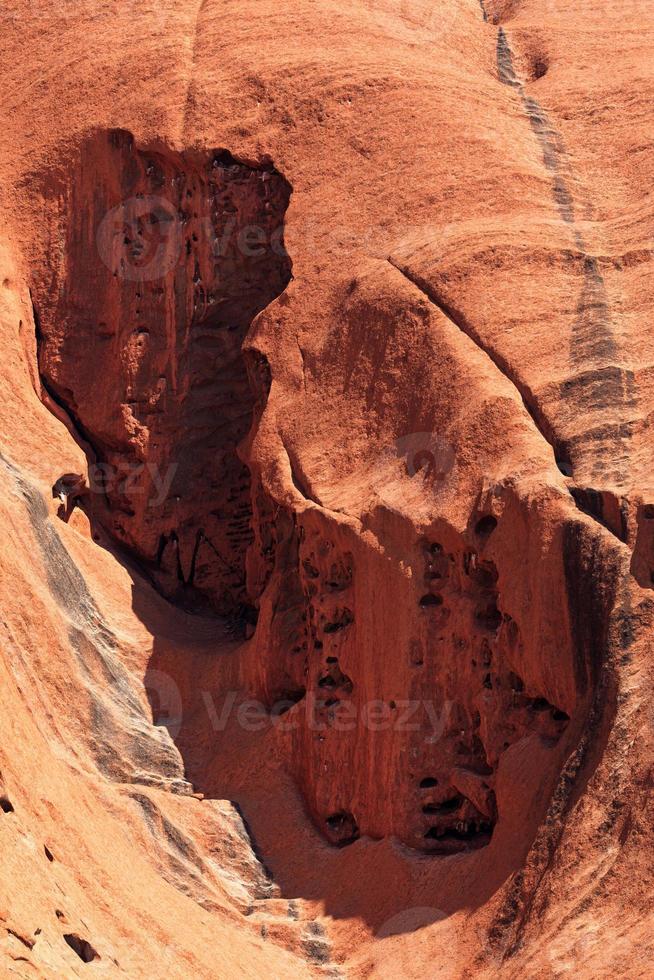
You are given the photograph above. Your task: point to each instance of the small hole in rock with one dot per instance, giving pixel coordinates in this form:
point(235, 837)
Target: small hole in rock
point(516, 683)
point(342, 828)
point(343, 620)
point(82, 947)
point(466, 831)
point(540, 68)
point(486, 575)
point(428, 782)
point(490, 618)
point(445, 806)
point(48, 853)
point(286, 701)
point(431, 600)
point(6, 805)
point(485, 526)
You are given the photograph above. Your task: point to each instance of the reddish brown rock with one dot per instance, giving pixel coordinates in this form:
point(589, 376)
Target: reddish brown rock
point(169, 260)
point(326, 605)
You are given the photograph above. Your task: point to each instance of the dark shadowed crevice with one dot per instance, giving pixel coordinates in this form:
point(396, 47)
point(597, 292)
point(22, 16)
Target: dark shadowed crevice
point(183, 250)
point(82, 947)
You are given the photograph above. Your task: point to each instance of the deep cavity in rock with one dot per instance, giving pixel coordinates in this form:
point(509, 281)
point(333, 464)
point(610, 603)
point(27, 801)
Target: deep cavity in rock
point(168, 257)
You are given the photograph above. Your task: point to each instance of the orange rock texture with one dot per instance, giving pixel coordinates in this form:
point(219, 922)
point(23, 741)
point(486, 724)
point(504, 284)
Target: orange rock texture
point(327, 490)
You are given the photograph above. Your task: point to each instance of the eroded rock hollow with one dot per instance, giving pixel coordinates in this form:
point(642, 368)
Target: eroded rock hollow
point(168, 258)
point(325, 480)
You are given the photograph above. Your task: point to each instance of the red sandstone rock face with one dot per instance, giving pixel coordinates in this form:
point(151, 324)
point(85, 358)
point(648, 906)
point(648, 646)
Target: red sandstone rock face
point(170, 259)
point(338, 662)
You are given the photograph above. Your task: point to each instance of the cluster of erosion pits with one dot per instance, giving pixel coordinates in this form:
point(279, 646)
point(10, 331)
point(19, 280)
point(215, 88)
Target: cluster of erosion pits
point(463, 705)
point(147, 368)
point(489, 709)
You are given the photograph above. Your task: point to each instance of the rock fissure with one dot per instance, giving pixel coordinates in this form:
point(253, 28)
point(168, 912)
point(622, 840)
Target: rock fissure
point(601, 507)
point(526, 395)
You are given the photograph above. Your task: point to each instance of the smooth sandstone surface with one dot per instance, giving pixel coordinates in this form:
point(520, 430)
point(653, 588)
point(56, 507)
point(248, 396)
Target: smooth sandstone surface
point(325, 402)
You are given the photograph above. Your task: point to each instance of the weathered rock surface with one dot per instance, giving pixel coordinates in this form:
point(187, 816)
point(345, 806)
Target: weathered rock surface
point(168, 262)
point(326, 487)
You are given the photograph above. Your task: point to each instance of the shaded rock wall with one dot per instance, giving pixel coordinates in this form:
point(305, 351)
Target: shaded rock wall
point(415, 633)
point(168, 257)
point(404, 671)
